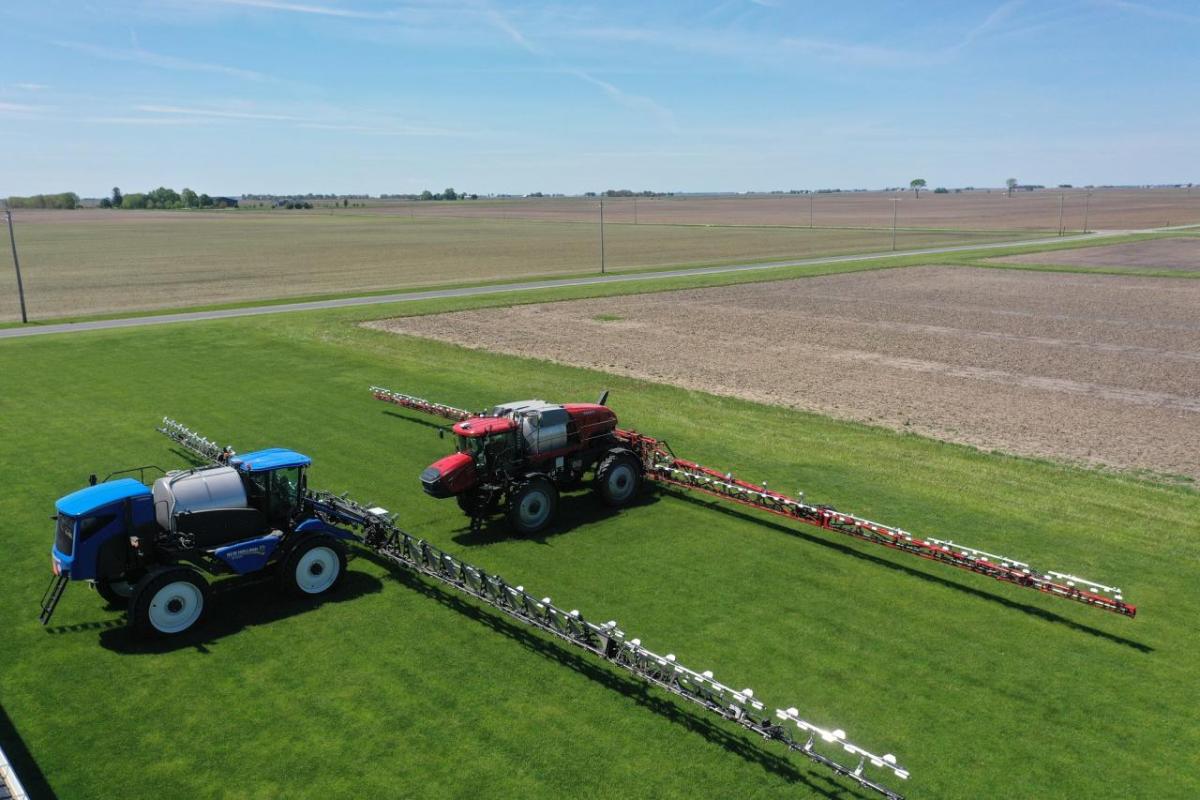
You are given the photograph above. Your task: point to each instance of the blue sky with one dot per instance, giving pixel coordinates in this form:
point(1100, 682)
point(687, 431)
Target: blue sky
point(232, 96)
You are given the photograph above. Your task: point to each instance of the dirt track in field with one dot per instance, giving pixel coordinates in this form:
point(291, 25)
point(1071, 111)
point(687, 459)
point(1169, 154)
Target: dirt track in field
point(1103, 370)
point(1181, 254)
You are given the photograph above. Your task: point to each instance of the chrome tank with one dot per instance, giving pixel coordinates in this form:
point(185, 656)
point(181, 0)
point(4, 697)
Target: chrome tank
point(197, 490)
point(545, 429)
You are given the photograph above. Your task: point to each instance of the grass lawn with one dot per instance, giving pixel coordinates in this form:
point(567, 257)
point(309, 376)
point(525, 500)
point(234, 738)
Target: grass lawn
point(396, 688)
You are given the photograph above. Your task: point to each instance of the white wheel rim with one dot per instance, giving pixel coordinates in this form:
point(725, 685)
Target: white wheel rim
point(317, 570)
point(176, 607)
point(534, 509)
point(620, 482)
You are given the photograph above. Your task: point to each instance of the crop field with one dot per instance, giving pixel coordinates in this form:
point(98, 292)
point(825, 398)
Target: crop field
point(97, 262)
point(1180, 253)
point(1099, 369)
point(1106, 209)
point(393, 687)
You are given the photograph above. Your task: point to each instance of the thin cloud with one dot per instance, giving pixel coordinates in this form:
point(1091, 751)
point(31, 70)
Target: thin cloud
point(136, 55)
point(31, 87)
point(214, 113)
point(304, 8)
point(155, 121)
point(634, 102)
point(1149, 11)
point(23, 110)
point(374, 130)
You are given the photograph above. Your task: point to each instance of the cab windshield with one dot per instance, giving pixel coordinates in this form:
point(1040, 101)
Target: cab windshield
point(472, 445)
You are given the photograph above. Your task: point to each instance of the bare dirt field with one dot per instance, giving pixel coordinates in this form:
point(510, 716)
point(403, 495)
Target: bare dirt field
point(1181, 254)
point(1103, 370)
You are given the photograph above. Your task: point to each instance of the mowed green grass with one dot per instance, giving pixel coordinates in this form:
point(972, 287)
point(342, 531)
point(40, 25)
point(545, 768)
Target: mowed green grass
point(396, 688)
point(131, 262)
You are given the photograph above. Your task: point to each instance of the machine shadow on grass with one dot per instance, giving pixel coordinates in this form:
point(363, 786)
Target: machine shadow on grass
point(1033, 611)
point(234, 605)
point(730, 739)
point(576, 509)
point(424, 422)
point(28, 772)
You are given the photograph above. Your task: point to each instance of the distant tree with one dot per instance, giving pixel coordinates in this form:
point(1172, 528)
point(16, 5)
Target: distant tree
point(1065, 186)
point(917, 184)
point(474, 196)
point(941, 190)
point(189, 198)
point(426, 195)
point(105, 202)
point(205, 201)
point(1011, 183)
point(449, 194)
point(135, 200)
point(116, 197)
point(345, 202)
point(589, 194)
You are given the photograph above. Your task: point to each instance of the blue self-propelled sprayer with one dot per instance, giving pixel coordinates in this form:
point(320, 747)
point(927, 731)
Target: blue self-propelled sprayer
point(150, 548)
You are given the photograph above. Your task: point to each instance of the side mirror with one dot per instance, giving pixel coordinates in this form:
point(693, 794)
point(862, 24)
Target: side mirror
point(603, 399)
point(92, 479)
point(441, 433)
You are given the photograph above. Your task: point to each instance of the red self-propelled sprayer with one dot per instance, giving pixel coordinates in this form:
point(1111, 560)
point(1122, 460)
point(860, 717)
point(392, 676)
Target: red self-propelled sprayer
point(518, 456)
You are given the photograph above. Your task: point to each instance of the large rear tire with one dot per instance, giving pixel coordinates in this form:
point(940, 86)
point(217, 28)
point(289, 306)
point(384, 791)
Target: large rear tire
point(168, 602)
point(532, 506)
point(314, 567)
point(618, 479)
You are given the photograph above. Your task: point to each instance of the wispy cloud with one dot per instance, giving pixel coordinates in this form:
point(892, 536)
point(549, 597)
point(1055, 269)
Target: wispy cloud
point(1149, 11)
point(31, 87)
point(634, 102)
point(214, 113)
point(382, 130)
point(501, 22)
point(631, 101)
point(23, 109)
point(183, 115)
point(136, 55)
point(149, 121)
point(306, 8)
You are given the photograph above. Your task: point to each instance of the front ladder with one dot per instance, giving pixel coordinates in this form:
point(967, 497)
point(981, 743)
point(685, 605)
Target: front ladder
point(50, 598)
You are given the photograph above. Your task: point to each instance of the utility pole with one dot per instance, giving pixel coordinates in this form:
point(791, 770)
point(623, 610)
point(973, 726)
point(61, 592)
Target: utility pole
point(635, 211)
point(895, 207)
point(601, 235)
point(1086, 200)
point(16, 263)
point(810, 202)
point(1060, 212)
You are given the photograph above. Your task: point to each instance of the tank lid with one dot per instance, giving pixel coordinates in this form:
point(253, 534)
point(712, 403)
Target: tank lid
point(271, 458)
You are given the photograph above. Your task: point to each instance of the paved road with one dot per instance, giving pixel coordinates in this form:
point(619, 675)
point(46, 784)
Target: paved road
point(405, 297)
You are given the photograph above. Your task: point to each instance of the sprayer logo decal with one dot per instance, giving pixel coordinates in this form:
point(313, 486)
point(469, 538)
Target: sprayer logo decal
point(257, 550)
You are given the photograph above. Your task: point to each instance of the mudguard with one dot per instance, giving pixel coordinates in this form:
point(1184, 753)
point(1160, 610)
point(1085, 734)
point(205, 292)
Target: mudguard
point(314, 525)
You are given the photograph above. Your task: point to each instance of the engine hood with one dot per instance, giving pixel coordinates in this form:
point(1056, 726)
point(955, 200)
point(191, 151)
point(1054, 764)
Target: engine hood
point(450, 476)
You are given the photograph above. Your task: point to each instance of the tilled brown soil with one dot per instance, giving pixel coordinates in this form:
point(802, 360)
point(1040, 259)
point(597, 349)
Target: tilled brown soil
point(1182, 254)
point(1103, 370)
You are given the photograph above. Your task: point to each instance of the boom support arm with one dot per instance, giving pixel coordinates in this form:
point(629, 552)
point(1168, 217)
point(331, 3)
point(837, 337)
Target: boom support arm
point(605, 641)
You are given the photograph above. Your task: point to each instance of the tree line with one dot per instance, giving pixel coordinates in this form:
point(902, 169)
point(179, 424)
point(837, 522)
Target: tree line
point(61, 200)
point(162, 197)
